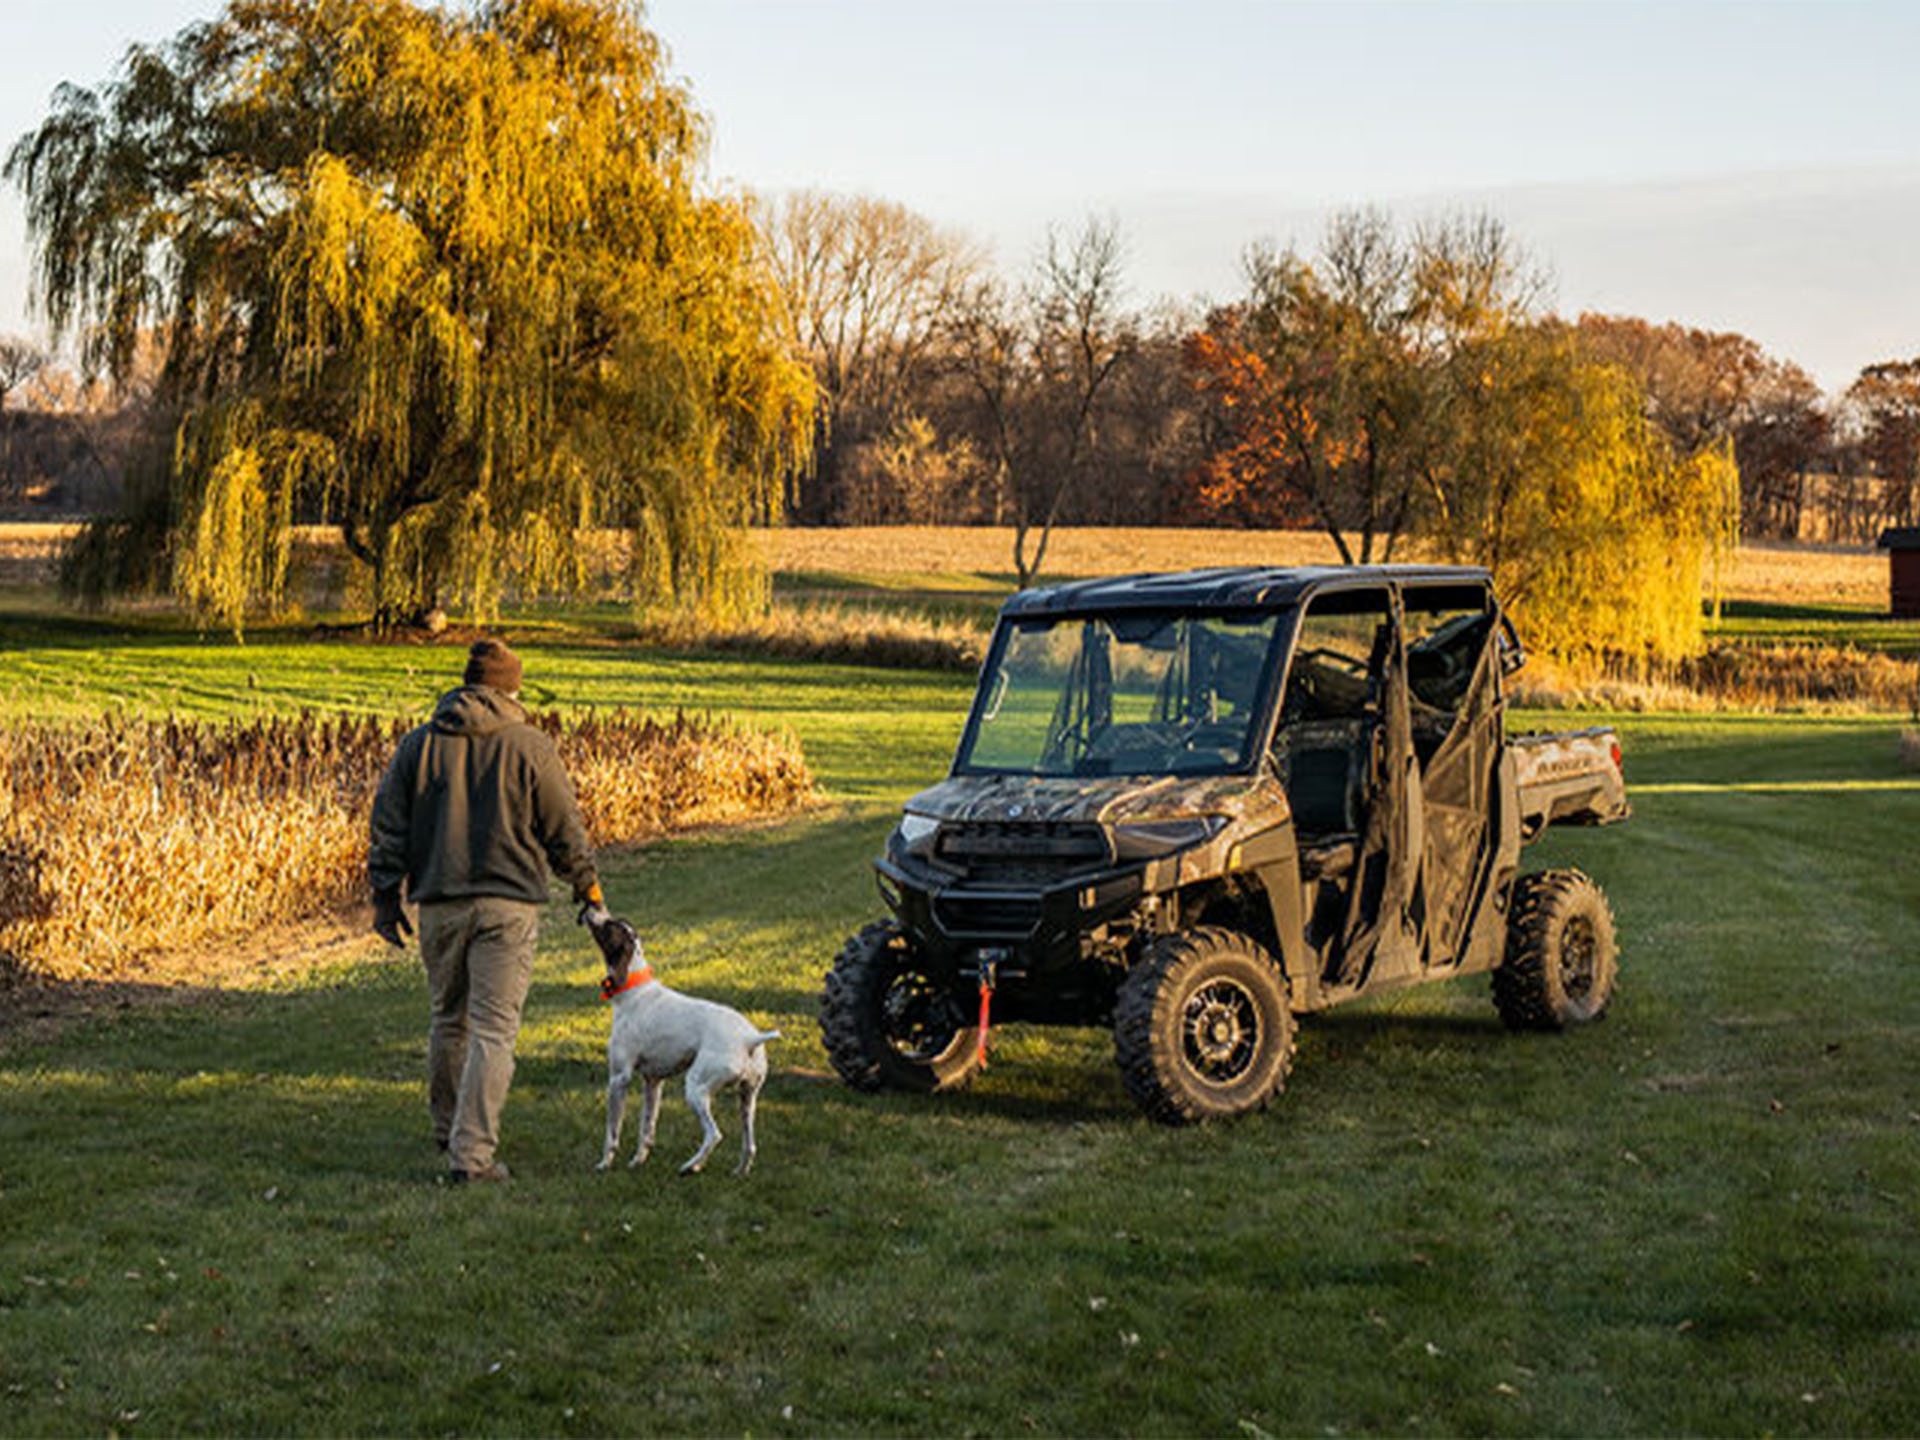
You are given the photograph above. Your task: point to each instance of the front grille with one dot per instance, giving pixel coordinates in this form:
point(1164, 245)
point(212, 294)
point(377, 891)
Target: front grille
point(1011, 851)
point(1008, 916)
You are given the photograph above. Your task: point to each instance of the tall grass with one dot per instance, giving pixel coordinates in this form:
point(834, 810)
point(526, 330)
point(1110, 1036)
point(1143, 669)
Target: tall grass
point(121, 837)
point(1732, 677)
point(841, 634)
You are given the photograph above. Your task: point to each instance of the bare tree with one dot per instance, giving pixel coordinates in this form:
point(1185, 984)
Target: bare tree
point(868, 285)
point(20, 361)
point(1041, 366)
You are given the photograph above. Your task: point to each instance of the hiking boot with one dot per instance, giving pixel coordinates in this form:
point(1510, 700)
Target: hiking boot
point(493, 1173)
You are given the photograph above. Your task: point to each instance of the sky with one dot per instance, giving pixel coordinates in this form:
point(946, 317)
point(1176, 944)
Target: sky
point(1751, 166)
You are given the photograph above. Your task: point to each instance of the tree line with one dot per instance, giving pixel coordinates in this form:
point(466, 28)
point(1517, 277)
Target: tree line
point(896, 314)
point(455, 281)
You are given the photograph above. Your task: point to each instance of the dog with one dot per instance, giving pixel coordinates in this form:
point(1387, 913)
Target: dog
point(659, 1033)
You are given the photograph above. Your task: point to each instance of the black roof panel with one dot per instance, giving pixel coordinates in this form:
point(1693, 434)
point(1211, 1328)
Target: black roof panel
point(1237, 587)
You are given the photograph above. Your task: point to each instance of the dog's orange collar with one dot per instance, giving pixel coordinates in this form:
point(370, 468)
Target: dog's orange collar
point(642, 976)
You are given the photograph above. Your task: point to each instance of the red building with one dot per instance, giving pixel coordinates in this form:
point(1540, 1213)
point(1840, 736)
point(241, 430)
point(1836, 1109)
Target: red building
point(1903, 547)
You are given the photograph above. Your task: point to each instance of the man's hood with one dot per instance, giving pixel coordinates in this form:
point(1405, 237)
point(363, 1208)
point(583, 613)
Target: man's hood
point(476, 710)
point(1105, 799)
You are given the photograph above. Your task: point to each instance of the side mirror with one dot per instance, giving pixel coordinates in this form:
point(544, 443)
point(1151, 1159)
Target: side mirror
point(1513, 655)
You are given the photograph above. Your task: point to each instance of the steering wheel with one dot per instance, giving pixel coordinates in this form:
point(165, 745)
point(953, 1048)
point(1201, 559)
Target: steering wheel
point(1302, 687)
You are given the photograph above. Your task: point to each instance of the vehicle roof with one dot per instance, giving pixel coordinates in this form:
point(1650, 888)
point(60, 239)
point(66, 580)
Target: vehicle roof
point(1237, 587)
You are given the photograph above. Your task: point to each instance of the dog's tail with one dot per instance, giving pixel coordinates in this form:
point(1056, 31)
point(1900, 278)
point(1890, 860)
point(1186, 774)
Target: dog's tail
point(763, 1037)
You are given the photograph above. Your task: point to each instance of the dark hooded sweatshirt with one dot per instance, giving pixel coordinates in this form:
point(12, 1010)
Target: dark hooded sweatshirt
point(475, 802)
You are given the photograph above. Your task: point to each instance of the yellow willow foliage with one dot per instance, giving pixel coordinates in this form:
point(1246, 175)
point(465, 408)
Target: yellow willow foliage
point(239, 546)
point(1599, 536)
point(461, 261)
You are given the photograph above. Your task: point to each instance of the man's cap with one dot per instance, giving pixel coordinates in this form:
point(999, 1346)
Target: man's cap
point(490, 662)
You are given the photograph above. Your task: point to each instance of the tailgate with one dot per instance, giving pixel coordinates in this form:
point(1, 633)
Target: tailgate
point(1572, 778)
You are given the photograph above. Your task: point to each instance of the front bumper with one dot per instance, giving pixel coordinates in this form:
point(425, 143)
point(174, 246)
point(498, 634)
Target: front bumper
point(1041, 928)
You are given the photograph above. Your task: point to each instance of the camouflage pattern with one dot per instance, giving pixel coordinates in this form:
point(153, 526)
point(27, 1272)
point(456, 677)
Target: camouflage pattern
point(1102, 800)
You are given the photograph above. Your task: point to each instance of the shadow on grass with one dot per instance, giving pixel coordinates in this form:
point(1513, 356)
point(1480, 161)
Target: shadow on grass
point(35, 1008)
point(1355, 1028)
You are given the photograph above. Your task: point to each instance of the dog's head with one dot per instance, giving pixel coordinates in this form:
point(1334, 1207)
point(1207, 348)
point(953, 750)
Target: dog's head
point(619, 944)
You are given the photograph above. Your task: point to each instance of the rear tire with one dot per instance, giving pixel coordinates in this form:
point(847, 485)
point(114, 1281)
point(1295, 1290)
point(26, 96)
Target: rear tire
point(1202, 1028)
point(887, 1024)
point(1561, 956)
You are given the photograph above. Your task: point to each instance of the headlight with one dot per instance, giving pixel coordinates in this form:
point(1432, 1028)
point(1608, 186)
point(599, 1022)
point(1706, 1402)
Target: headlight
point(915, 831)
point(1149, 838)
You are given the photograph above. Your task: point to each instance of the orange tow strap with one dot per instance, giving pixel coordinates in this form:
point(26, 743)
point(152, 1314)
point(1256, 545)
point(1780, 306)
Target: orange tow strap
point(986, 1011)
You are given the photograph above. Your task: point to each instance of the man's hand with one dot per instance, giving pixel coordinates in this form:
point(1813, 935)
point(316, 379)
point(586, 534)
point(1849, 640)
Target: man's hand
point(390, 919)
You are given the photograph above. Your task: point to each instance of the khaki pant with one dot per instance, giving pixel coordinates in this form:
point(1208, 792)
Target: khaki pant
point(478, 954)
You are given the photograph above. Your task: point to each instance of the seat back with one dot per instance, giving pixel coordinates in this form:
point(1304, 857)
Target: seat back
point(1324, 766)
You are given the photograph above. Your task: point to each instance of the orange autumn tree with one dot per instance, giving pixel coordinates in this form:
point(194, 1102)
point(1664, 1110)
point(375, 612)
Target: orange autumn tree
point(1313, 384)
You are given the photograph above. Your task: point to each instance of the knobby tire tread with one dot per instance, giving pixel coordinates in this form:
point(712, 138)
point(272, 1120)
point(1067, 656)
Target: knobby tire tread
point(1523, 990)
point(1143, 1043)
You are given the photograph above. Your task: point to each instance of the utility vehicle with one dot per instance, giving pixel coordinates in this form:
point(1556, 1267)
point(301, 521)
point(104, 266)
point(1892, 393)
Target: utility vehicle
point(1194, 806)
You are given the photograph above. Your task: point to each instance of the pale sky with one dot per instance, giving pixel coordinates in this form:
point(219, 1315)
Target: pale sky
point(1749, 166)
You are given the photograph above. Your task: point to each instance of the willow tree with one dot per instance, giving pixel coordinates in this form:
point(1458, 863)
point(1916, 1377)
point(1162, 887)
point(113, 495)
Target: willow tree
point(1543, 465)
point(446, 277)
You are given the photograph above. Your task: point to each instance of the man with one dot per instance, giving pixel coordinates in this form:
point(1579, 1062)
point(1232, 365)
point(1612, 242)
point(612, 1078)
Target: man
point(473, 810)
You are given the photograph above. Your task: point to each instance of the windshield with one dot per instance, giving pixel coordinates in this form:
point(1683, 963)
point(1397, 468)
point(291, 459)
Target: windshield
point(1133, 694)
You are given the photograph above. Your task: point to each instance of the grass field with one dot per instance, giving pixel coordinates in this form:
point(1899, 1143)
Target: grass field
point(221, 1210)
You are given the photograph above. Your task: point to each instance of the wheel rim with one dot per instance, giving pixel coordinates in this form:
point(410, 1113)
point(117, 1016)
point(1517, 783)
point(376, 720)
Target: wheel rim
point(916, 1019)
point(1220, 1031)
point(1579, 959)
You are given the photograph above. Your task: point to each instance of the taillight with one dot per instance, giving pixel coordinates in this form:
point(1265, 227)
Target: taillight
point(1616, 757)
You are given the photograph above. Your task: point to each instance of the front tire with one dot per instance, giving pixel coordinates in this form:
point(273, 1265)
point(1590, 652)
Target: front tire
point(887, 1024)
point(1561, 956)
point(1202, 1028)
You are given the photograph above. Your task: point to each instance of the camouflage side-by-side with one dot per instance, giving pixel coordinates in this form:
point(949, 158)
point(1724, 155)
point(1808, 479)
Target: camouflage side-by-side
point(1192, 806)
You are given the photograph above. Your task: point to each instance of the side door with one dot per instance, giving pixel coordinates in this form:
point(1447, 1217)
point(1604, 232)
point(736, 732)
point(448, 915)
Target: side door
point(1456, 715)
point(1343, 749)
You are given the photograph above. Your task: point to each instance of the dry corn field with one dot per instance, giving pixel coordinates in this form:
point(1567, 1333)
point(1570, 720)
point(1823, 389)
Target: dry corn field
point(1793, 678)
point(120, 838)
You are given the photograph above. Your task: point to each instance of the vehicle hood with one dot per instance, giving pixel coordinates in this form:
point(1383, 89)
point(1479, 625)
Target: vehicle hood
point(1105, 800)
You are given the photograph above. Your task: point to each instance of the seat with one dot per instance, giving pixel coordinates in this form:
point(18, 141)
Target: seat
point(1322, 765)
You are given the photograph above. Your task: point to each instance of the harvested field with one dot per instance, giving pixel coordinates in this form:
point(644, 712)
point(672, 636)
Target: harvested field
point(987, 550)
point(1776, 573)
point(1765, 571)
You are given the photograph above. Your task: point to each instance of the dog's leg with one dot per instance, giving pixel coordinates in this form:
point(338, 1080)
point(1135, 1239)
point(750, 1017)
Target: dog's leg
point(700, 1101)
point(749, 1099)
point(649, 1117)
point(616, 1108)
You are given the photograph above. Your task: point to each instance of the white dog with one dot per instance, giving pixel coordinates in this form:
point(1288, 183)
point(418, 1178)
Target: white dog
point(658, 1033)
